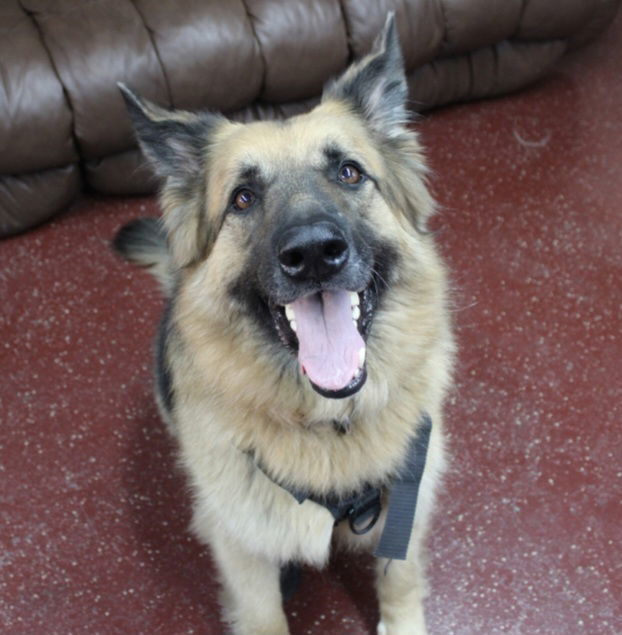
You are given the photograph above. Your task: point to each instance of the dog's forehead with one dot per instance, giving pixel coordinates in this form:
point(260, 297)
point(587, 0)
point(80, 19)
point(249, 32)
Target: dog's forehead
point(299, 142)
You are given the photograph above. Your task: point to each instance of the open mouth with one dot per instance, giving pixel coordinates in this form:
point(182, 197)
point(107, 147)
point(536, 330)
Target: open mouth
point(327, 331)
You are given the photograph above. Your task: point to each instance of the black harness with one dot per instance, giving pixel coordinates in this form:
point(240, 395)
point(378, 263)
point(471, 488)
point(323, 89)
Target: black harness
point(362, 509)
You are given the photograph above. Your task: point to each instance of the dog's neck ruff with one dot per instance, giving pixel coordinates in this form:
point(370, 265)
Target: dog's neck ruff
point(362, 509)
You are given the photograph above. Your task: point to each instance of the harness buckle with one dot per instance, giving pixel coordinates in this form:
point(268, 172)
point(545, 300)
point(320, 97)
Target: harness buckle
point(364, 514)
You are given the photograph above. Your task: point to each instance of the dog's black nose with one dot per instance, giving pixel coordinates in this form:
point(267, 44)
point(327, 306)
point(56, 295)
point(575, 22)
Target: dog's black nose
point(312, 252)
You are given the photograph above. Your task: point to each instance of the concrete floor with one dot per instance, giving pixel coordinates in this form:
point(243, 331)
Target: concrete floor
point(527, 539)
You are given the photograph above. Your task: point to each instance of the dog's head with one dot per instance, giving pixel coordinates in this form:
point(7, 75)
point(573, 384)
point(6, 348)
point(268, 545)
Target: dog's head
point(303, 220)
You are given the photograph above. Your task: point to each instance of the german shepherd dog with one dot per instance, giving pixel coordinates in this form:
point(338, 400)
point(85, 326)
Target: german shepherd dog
point(306, 342)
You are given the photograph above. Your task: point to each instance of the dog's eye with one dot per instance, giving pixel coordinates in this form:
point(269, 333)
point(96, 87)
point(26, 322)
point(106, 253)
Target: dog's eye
point(243, 199)
point(350, 174)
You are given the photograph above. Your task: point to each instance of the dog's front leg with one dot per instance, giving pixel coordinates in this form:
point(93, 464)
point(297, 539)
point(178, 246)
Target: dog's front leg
point(251, 594)
point(401, 589)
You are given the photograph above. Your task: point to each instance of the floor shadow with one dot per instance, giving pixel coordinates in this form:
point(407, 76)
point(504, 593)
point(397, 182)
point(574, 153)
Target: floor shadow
point(355, 573)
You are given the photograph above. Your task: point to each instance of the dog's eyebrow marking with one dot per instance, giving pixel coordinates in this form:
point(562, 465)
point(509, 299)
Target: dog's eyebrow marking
point(252, 175)
point(249, 174)
point(334, 154)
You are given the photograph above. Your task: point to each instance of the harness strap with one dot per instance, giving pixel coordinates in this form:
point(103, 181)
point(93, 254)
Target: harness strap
point(362, 509)
point(403, 498)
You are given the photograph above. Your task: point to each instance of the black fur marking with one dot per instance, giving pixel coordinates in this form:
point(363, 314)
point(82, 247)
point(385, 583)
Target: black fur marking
point(164, 384)
point(386, 261)
point(291, 574)
point(249, 174)
point(246, 292)
point(342, 426)
point(334, 156)
point(140, 237)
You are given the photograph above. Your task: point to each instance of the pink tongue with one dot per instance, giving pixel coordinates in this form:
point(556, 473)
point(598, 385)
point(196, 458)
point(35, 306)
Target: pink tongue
point(328, 340)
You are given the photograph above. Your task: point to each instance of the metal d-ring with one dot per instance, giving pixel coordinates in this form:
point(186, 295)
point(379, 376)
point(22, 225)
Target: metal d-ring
point(369, 507)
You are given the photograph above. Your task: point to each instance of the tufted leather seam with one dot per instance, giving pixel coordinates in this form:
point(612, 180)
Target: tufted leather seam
point(445, 38)
point(346, 28)
point(471, 72)
point(6, 209)
point(156, 52)
point(495, 57)
point(264, 63)
point(519, 23)
point(74, 139)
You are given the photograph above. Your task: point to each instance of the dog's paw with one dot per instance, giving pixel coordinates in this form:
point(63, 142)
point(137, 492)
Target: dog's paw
point(383, 629)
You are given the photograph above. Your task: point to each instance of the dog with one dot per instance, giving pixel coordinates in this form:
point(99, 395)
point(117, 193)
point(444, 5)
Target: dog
point(306, 345)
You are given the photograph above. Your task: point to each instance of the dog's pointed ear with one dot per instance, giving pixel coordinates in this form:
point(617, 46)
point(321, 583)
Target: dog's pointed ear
point(376, 85)
point(176, 144)
point(173, 141)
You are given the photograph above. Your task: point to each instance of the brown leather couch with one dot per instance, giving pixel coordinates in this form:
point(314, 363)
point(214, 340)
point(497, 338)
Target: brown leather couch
point(63, 127)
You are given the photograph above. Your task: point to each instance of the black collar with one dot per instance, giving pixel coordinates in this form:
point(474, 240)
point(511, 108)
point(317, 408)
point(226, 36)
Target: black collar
point(362, 508)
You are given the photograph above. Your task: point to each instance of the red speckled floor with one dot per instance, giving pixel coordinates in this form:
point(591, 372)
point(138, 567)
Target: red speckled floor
point(93, 512)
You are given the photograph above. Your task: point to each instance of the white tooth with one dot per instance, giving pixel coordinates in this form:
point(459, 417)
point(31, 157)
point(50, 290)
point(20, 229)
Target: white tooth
point(354, 298)
point(289, 312)
point(361, 357)
point(292, 325)
point(356, 313)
